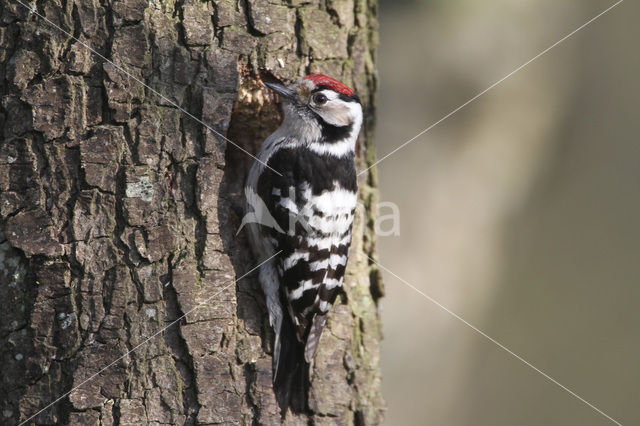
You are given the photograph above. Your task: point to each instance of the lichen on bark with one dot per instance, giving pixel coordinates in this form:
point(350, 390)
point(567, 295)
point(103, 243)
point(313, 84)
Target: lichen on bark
point(119, 211)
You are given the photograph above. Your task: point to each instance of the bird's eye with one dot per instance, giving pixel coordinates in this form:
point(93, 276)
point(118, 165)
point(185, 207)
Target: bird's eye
point(319, 99)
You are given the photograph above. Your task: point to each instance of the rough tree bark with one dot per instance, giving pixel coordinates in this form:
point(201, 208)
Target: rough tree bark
point(119, 212)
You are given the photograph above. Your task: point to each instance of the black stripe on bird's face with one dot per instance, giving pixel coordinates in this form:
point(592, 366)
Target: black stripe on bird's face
point(331, 133)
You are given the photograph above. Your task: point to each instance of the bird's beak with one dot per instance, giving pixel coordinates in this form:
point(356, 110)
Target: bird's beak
point(281, 90)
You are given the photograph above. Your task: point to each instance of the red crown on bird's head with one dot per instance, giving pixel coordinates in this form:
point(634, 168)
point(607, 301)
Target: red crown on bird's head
point(330, 83)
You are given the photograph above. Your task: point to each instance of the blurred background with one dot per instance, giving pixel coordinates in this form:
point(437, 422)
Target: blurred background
point(519, 213)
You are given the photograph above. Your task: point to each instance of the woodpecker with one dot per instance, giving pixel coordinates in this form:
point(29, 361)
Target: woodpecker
point(306, 182)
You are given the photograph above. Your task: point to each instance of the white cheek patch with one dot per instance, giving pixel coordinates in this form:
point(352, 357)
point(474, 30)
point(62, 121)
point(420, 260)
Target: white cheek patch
point(336, 113)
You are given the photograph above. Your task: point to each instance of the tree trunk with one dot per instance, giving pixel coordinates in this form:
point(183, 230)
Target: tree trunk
point(119, 211)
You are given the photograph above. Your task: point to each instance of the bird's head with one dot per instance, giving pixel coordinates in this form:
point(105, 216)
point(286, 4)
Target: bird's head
point(321, 104)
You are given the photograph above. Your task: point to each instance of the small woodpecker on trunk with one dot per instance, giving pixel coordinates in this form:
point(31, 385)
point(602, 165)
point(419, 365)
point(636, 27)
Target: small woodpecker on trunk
point(308, 196)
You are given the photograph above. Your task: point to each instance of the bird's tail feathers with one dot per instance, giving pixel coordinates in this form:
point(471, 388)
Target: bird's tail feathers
point(290, 370)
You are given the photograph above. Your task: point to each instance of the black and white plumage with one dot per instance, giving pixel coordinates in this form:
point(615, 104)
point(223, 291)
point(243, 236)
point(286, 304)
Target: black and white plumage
point(313, 200)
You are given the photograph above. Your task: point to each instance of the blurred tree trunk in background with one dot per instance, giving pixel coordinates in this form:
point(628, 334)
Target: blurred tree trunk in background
point(119, 212)
point(522, 208)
